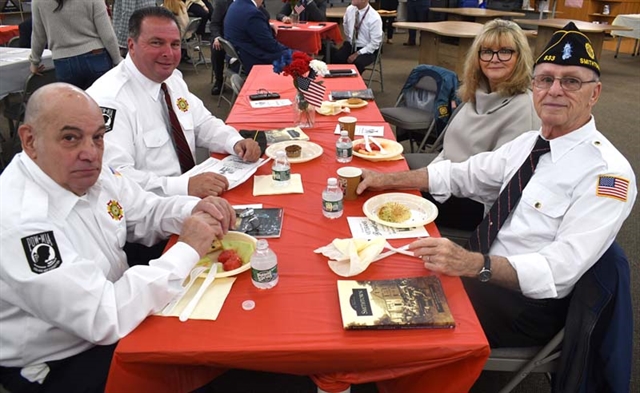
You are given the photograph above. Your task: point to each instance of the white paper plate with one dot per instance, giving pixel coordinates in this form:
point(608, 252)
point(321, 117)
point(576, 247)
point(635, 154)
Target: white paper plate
point(310, 150)
point(392, 149)
point(352, 106)
point(423, 211)
point(232, 236)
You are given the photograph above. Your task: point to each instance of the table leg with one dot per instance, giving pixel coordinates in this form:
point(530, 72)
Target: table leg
point(617, 47)
point(327, 51)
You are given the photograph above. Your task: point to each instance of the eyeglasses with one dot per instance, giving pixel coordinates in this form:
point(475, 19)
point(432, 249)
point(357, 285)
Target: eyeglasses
point(503, 54)
point(567, 83)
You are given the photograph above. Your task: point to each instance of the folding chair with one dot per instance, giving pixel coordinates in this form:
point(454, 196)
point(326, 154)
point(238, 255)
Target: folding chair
point(376, 67)
point(14, 112)
point(193, 45)
point(14, 42)
point(423, 106)
point(228, 72)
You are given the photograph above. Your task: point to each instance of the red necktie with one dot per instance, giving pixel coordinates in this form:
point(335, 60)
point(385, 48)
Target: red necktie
point(488, 229)
point(179, 141)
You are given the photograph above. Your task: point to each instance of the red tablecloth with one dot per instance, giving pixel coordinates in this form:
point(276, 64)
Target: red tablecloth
point(263, 77)
point(7, 32)
point(307, 37)
point(296, 327)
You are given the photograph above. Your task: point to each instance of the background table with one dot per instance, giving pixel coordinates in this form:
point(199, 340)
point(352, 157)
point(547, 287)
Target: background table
point(263, 77)
point(14, 68)
point(632, 21)
point(7, 32)
point(479, 15)
point(307, 37)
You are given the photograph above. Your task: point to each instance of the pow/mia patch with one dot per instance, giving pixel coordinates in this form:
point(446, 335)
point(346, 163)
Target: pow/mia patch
point(109, 116)
point(115, 210)
point(182, 104)
point(42, 252)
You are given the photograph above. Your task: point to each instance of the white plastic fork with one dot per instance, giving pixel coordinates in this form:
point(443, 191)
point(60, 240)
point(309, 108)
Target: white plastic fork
point(211, 276)
point(382, 149)
point(367, 146)
point(193, 277)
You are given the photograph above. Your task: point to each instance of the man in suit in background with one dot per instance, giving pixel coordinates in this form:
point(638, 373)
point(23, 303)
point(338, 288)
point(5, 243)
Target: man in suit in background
point(248, 30)
point(311, 11)
point(220, 8)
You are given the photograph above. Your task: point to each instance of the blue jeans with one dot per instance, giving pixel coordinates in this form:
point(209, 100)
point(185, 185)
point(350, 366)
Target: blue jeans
point(417, 11)
point(83, 70)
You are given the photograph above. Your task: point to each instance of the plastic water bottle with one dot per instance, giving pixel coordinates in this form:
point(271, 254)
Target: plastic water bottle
point(264, 266)
point(344, 148)
point(332, 199)
point(281, 170)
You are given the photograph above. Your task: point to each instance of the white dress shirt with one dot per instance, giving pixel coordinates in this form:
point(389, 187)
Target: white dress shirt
point(560, 227)
point(370, 31)
point(84, 293)
point(138, 141)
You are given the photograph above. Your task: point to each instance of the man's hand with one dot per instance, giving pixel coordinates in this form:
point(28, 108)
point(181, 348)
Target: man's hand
point(36, 69)
point(207, 184)
point(216, 44)
point(371, 180)
point(441, 255)
point(352, 57)
point(199, 230)
point(286, 19)
point(248, 150)
point(219, 209)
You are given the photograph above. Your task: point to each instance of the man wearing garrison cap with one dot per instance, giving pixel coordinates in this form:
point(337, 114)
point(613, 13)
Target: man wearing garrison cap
point(538, 239)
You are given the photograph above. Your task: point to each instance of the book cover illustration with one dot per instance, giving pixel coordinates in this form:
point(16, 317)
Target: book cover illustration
point(403, 303)
point(261, 222)
point(365, 94)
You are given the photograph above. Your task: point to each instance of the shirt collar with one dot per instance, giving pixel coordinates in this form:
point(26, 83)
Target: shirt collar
point(564, 144)
point(151, 87)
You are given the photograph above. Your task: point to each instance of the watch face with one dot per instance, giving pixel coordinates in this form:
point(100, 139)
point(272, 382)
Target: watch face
point(484, 275)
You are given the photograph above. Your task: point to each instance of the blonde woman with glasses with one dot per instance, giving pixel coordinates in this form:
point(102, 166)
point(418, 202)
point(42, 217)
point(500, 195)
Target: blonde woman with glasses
point(497, 107)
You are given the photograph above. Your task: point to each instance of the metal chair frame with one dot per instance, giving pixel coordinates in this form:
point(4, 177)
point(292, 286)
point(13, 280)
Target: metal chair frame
point(194, 44)
point(376, 67)
point(228, 72)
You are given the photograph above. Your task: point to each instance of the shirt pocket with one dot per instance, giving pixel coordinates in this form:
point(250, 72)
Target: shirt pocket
point(539, 213)
point(155, 139)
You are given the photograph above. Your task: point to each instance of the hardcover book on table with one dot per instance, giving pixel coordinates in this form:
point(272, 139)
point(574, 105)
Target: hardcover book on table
point(260, 223)
point(274, 136)
point(402, 303)
point(365, 94)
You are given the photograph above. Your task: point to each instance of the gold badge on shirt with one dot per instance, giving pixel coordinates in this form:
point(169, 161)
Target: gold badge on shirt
point(182, 104)
point(115, 210)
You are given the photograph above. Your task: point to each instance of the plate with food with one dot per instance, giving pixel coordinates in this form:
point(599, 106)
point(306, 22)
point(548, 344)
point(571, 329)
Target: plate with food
point(381, 149)
point(353, 103)
point(400, 210)
point(233, 253)
point(297, 151)
point(329, 108)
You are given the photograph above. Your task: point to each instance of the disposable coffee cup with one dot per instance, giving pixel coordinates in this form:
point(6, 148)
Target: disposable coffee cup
point(349, 177)
point(348, 123)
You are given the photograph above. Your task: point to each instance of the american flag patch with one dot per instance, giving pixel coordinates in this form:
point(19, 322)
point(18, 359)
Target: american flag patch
point(613, 187)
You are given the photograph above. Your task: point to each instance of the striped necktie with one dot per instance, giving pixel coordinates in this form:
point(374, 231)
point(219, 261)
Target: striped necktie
point(354, 36)
point(179, 141)
point(487, 231)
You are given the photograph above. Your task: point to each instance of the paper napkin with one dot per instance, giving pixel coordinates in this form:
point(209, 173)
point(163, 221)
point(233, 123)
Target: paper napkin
point(263, 185)
point(350, 257)
point(211, 302)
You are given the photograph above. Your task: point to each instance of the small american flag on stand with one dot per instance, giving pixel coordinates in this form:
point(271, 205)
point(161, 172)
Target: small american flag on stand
point(613, 187)
point(312, 91)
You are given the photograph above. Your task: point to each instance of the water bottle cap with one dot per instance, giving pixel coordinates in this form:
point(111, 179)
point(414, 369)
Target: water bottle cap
point(332, 181)
point(248, 305)
point(344, 133)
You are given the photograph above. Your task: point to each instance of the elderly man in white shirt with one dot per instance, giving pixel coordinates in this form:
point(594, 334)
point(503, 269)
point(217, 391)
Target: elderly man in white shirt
point(362, 28)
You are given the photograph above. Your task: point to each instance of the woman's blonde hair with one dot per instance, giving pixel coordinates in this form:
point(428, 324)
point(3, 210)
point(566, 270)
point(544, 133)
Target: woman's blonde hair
point(172, 5)
point(498, 32)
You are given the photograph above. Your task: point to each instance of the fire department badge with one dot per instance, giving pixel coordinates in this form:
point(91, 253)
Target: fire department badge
point(182, 104)
point(115, 210)
point(42, 252)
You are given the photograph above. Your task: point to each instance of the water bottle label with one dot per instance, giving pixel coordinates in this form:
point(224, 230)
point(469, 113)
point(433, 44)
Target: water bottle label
point(281, 175)
point(344, 153)
point(332, 206)
point(264, 276)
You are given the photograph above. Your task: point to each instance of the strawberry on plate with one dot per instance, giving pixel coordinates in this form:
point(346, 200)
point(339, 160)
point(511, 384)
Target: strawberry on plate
point(232, 263)
point(226, 255)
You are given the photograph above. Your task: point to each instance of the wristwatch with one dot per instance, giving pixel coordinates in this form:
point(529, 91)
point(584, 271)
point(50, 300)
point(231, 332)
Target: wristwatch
point(484, 275)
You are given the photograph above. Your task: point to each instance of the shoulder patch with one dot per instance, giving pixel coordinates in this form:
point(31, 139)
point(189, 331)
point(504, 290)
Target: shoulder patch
point(612, 187)
point(42, 252)
point(109, 116)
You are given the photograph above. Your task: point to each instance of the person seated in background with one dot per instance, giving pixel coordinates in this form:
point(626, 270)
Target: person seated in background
point(362, 28)
point(497, 107)
point(200, 9)
point(25, 29)
point(148, 141)
point(218, 54)
point(179, 9)
point(309, 12)
point(387, 23)
point(248, 30)
point(65, 218)
point(561, 195)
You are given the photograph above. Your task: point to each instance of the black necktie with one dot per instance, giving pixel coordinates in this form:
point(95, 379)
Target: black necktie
point(179, 140)
point(488, 229)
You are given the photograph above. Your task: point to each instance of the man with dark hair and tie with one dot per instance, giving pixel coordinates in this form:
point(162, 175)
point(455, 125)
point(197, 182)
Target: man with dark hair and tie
point(309, 10)
point(555, 200)
point(154, 123)
point(362, 28)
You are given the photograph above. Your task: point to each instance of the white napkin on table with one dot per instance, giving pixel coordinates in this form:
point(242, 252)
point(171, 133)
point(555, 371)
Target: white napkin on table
point(350, 257)
point(263, 185)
